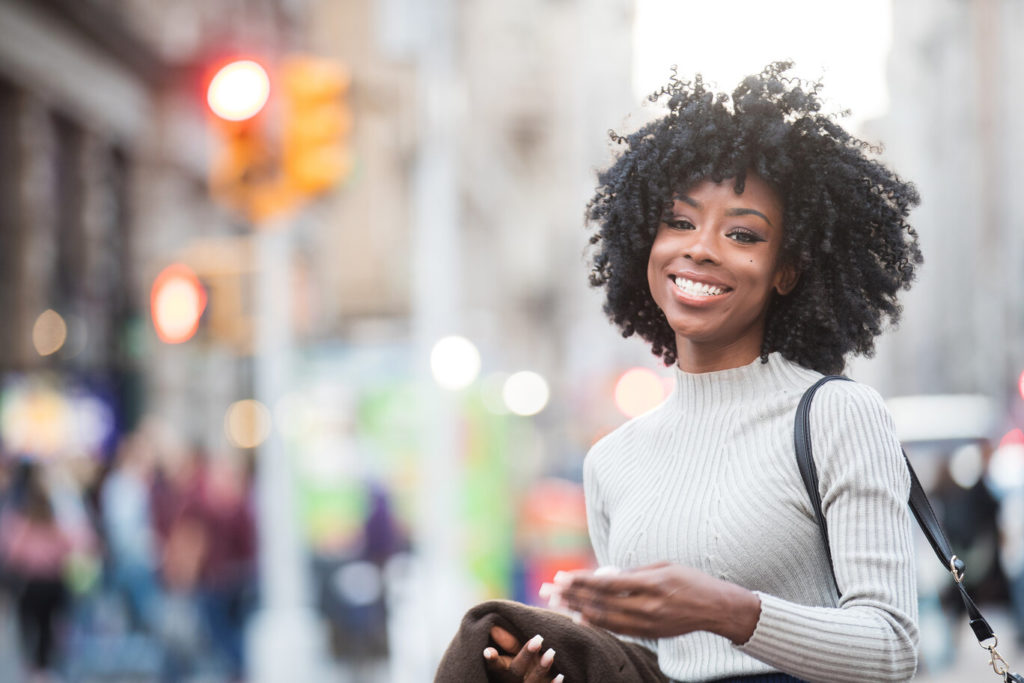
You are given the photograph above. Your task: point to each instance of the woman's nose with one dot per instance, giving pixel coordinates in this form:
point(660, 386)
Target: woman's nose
point(701, 248)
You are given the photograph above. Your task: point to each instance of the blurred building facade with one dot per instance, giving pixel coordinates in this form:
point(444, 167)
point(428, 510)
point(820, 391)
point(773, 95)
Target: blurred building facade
point(105, 147)
point(105, 141)
point(953, 129)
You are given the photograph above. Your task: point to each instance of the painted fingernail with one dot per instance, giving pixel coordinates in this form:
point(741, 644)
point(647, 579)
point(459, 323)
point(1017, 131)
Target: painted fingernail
point(578, 618)
point(548, 589)
point(490, 653)
point(607, 570)
point(547, 657)
point(556, 601)
point(535, 643)
point(558, 679)
point(563, 578)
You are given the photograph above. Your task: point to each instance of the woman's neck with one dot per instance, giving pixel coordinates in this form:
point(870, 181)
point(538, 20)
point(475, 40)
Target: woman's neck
point(694, 357)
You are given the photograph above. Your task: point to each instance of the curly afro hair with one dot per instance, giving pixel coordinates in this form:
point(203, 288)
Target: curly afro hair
point(845, 214)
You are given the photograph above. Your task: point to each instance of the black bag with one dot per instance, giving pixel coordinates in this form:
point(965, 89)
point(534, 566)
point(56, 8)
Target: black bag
point(925, 516)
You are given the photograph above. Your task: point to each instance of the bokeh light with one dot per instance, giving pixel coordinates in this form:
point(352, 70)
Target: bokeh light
point(1006, 468)
point(44, 419)
point(247, 423)
point(454, 362)
point(638, 390)
point(967, 465)
point(1020, 384)
point(526, 393)
point(239, 90)
point(360, 583)
point(49, 333)
point(177, 302)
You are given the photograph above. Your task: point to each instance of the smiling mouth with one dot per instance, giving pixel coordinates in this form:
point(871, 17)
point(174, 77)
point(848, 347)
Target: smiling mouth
point(692, 288)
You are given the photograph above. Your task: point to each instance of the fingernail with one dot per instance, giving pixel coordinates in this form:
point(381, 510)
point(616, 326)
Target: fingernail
point(607, 570)
point(548, 589)
point(556, 601)
point(558, 679)
point(490, 653)
point(563, 578)
point(578, 618)
point(547, 657)
point(535, 643)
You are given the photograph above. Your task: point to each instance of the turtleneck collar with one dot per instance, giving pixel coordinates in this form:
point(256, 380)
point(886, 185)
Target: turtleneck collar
point(750, 381)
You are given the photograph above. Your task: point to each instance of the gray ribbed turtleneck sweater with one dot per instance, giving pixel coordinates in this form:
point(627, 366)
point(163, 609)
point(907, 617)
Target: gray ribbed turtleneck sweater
point(709, 480)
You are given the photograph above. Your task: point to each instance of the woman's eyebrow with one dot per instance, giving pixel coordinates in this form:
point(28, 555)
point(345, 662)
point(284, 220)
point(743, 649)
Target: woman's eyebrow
point(688, 200)
point(748, 212)
point(731, 212)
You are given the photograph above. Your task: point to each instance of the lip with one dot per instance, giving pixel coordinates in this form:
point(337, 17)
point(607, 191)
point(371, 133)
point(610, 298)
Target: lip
point(701, 278)
point(697, 301)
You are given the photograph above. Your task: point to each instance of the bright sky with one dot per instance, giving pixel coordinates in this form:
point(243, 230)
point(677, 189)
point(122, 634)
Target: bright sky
point(845, 43)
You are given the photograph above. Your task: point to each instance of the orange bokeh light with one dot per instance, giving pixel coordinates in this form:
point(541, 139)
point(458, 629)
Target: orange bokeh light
point(638, 390)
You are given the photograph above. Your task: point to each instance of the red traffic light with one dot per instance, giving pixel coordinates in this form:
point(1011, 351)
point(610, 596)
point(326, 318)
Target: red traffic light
point(239, 90)
point(177, 302)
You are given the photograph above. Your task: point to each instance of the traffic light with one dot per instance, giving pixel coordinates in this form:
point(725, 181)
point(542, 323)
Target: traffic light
point(239, 90)
point(268, 161)
point(242, 163)
point(177, 301)
point(316, 124)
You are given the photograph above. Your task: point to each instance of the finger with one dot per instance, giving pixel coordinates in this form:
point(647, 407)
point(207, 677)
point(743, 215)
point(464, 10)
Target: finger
point(613, 612)
point(496, 662)
point(527, 657)
point(541, 672)
point(505, 640)
point(635, 621)
point(616, 584)
point(657, 565)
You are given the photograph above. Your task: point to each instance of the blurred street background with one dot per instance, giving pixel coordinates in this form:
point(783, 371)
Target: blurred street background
point(298, 358)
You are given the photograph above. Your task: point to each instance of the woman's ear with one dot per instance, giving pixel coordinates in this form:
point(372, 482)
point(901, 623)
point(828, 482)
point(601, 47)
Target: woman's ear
point(786, 279)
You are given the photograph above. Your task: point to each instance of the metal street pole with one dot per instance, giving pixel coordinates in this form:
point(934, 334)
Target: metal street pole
point(440, 592)
point(287, 642)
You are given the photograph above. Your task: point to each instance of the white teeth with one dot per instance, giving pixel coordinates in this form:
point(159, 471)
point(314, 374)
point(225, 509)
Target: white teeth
point(696, 288)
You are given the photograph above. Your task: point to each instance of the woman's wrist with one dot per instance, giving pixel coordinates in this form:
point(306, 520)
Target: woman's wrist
point(737, 615)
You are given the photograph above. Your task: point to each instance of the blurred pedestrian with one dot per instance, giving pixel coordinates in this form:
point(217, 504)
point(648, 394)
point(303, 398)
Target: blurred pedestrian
point(181, 545)
point(227, 570)
point(126, 509)
point(204, 515)
point(36, 550)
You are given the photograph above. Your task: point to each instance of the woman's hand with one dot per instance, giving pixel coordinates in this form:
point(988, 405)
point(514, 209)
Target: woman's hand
point(513, 662)
point(658, 601)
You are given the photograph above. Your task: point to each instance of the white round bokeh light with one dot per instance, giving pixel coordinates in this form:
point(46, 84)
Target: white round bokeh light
point(526, 393)
point(454, 362)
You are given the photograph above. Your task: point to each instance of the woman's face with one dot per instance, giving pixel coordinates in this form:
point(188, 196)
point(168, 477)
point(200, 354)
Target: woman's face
point(713, 267)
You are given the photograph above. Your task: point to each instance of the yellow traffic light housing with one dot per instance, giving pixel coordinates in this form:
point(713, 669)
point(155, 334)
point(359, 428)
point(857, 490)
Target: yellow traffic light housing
point(316, 124)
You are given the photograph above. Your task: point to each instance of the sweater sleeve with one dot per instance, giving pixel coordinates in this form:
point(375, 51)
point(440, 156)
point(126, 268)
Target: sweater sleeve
point(597, 517)
point(864, 486)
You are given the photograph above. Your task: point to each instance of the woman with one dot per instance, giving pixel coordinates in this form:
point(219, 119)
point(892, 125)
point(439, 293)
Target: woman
point(754, 244)
point(36, 548)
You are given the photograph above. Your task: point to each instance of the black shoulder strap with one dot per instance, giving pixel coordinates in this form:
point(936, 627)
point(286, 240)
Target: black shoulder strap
point(805, 461)
point(919, 505)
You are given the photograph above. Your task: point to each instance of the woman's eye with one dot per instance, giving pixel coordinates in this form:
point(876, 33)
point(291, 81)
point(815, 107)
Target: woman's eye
point(678, 224)
point(745, 237)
